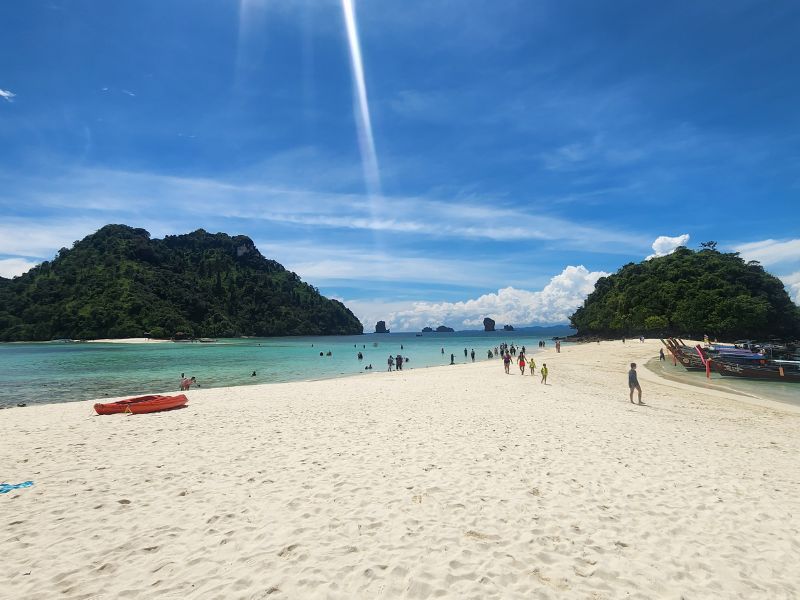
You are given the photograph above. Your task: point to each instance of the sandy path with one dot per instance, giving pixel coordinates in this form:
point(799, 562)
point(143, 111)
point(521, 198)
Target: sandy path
point(454, 482)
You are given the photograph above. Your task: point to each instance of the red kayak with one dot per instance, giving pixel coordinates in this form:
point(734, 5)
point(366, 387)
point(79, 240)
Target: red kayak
point(142, 404)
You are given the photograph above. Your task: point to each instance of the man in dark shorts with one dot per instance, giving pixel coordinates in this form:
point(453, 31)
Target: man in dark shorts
point(633, 383)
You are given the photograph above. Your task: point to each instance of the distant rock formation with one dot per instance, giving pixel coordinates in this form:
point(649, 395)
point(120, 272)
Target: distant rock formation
point(380, 327)
point(488, 324)
point(443, 329)
point(508, 328)
point(427, 330)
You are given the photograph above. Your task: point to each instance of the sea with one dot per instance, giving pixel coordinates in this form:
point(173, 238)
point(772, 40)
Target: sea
point(47, 372)
point(788, 393)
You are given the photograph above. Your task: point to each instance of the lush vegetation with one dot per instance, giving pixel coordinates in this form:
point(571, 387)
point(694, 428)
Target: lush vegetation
point(120, 283)
point(690, 293)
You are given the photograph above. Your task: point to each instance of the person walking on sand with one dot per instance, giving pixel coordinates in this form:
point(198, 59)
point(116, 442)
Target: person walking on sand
point(544, 373)
point(532, 366)
point(633, 383)
point(522, 364)
point(506, 362)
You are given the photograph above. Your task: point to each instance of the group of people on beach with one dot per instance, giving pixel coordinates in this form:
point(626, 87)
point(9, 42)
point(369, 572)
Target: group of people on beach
point(506, 352)
point(396, 362)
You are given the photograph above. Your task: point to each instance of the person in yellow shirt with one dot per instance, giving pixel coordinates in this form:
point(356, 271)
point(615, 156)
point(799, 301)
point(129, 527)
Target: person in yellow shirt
point(544, 373)
point(532, 365)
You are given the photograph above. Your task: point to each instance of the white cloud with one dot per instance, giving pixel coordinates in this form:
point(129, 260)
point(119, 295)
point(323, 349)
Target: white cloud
point(7, 96)
point(664, 244)
point(792, 283)
point(32, 237)
point(11, 267)
point(553, 304)
point(124, 196)
point(770, 252)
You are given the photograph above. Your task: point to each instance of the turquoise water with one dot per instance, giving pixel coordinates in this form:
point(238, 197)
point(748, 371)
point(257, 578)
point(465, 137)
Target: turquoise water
point(768, 390)
point(58, 372)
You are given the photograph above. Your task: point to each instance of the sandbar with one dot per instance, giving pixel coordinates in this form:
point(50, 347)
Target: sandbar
point(447, 482)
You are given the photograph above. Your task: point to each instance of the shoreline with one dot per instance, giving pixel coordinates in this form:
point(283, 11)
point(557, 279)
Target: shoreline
point(645, 365)
point(462, 482)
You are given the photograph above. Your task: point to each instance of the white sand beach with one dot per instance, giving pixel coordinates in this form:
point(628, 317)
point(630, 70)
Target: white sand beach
point(448, 482)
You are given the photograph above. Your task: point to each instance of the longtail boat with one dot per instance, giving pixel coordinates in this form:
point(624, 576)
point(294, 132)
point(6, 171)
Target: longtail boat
point(788, 371)
point(684, 355)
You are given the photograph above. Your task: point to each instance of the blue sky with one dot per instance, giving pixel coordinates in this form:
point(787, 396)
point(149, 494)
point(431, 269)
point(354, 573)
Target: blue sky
point(518, 150)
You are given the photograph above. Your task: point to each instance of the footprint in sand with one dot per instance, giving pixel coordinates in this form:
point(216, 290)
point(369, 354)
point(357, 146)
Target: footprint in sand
point(287, 551)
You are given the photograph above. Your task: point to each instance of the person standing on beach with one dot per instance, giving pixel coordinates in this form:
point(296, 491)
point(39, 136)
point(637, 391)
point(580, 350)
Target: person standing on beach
point(661, 354)
point(544, 373)
point(452, 359)
point(522, 364)
point(532, 366)
point(390, 362)
point(472, 354)
point(399, 362)
point(186, 383)
point(506, 362)
point(633, 383)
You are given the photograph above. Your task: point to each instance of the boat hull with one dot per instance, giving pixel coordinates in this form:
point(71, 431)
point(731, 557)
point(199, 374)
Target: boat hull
point(141, 405)
point(751, 372)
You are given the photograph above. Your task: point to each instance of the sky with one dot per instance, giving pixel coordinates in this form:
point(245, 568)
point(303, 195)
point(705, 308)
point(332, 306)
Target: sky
point(426, 162)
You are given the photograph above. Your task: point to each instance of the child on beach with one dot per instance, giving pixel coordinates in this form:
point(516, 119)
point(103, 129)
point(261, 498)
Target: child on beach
point(544, 373)
point(186, 383)
point(532, 366)
point(633, 383)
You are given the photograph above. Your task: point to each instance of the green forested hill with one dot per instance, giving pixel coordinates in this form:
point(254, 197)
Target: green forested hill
point(690, 293)
point(120, 283)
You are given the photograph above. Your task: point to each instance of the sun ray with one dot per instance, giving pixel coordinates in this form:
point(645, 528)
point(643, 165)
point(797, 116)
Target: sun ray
point(366, 140)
